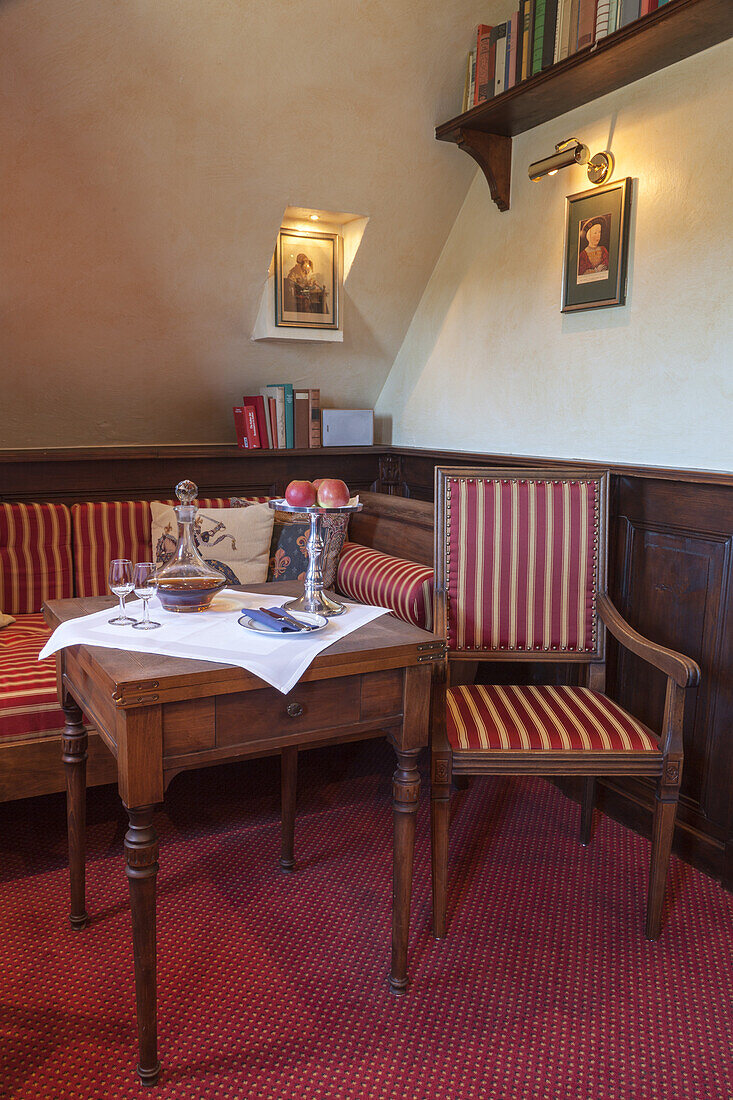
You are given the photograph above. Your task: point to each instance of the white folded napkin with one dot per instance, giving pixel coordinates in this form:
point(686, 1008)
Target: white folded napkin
point(215, 635)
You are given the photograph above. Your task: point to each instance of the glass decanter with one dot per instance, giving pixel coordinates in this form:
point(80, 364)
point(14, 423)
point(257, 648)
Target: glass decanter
point(185, 581)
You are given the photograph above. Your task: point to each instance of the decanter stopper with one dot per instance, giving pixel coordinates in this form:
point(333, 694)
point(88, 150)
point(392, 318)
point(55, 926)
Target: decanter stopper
point(186, 491)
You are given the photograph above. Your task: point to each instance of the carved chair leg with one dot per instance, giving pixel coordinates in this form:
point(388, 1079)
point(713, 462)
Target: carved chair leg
point(665, 810)
point(288, 795)
point(405, 790)
point(586, 809)
point(74, 756)
point(141, 852)
point(439, 820)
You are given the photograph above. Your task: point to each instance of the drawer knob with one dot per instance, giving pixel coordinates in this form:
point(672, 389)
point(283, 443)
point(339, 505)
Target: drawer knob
point(294, 710)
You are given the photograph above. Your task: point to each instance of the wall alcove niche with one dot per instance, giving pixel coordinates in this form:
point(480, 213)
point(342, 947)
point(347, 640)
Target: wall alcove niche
point(350, 228)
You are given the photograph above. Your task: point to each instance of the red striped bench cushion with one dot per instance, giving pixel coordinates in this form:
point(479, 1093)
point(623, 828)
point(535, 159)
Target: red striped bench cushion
point(496, 719)
point(104, 530)
point(35, 556)
point(371, 577)
point(28, 697)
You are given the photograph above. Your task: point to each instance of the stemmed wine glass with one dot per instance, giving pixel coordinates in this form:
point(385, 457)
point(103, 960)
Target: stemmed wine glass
point(119, 579)
point(145, 584)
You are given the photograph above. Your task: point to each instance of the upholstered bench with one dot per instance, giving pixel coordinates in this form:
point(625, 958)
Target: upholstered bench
point(52, 551)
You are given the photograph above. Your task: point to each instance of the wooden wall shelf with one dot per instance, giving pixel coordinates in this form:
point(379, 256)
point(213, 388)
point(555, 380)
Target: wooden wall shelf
point(679, 29)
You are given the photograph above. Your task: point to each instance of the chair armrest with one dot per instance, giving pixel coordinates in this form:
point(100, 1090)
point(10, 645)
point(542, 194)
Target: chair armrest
point(683, 670)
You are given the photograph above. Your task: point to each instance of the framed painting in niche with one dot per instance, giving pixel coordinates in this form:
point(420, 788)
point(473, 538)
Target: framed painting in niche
point(596, 247)
point(307, 280)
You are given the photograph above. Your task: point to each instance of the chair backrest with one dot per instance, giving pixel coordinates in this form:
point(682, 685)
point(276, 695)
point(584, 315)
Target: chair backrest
point(520, 556)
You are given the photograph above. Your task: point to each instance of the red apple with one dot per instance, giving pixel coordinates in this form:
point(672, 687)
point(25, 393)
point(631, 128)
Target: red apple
point(332, 493)
point(317, 482)
point(301, 494)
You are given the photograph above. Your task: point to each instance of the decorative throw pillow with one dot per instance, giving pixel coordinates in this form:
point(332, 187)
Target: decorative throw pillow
point(5, 620)
point(235, 541)
point(288, 553)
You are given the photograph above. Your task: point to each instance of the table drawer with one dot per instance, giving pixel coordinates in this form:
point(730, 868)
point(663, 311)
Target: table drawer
point(261, 715)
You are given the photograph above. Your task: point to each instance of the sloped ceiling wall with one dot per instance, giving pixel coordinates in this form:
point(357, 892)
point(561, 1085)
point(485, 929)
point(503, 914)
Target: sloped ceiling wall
point(149, 150)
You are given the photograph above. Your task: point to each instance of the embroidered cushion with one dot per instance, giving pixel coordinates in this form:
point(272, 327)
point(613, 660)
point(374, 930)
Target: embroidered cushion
point(497, 718)
point(288, 554)
point(28, 697)
point(233, 540)
point(104, 530)
point(371, 577)
point(35, 556)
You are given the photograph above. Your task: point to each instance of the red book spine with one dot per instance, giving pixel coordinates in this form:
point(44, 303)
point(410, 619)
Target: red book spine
point(239, 425)
point(250, 426)
point(483, 77)
point(272, 410)
point(258, 403)
point(648, 6)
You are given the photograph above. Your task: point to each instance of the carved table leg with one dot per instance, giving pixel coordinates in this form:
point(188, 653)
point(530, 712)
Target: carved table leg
point(74, 756)
point(405, 789)
point(288, 789)
point(141, 852)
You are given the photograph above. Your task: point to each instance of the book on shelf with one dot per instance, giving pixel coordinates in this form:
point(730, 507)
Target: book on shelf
point(586, 23)
point(278, 392)
point(245, 423)
point(526, 13)
point(647, 6)
point(314, 418)
point(258, 403)
point(467, 100)
point(500, 58)
point(630, 10)
point(603, 12)
point(548, 36)
point(512, 36)
point(302, 419)
point(242, 440)
point(272, 413)
point(250, 427)
point(538, 36)
point(484, 81)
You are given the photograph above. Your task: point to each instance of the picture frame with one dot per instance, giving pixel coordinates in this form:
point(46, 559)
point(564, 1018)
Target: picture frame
point(595, 250)
point(307, 279)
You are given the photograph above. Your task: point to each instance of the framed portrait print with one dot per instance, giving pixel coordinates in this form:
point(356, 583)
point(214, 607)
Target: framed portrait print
point(596, 247)
point(306, 280)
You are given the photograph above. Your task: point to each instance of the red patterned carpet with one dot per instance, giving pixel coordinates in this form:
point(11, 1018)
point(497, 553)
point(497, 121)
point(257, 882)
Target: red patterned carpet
point(273, 987)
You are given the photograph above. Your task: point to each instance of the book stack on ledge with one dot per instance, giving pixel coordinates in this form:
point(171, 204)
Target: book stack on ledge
point(538, 35)
point(280, 418)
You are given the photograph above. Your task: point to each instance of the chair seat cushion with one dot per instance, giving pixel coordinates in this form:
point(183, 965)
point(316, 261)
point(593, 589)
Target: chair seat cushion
point(500, 719)
point(371, 577)
point(28, 698)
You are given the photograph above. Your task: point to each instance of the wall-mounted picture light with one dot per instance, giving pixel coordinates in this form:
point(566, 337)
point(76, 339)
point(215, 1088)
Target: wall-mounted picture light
point(572, 151)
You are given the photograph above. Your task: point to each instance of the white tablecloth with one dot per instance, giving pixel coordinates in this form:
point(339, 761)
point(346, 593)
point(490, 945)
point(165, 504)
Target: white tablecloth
point(215, 635)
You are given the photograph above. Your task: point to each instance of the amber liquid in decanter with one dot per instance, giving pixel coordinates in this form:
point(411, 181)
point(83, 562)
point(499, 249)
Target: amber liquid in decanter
point(185, 581)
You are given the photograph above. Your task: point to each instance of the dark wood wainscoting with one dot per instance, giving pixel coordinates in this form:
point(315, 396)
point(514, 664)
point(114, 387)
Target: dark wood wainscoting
point(671, 575)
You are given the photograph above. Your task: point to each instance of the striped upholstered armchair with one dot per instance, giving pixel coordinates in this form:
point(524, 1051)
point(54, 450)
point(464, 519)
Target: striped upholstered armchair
point(521, 576)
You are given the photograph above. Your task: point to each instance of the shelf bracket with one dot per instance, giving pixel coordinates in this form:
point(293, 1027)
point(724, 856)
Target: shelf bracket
point(493, 154)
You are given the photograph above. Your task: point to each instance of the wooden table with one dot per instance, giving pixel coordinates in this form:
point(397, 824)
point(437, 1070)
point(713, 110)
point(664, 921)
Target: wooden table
point(162, 715)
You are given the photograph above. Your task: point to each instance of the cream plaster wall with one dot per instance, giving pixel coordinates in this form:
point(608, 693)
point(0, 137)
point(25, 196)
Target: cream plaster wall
point(490, 363)
point(148, 150)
